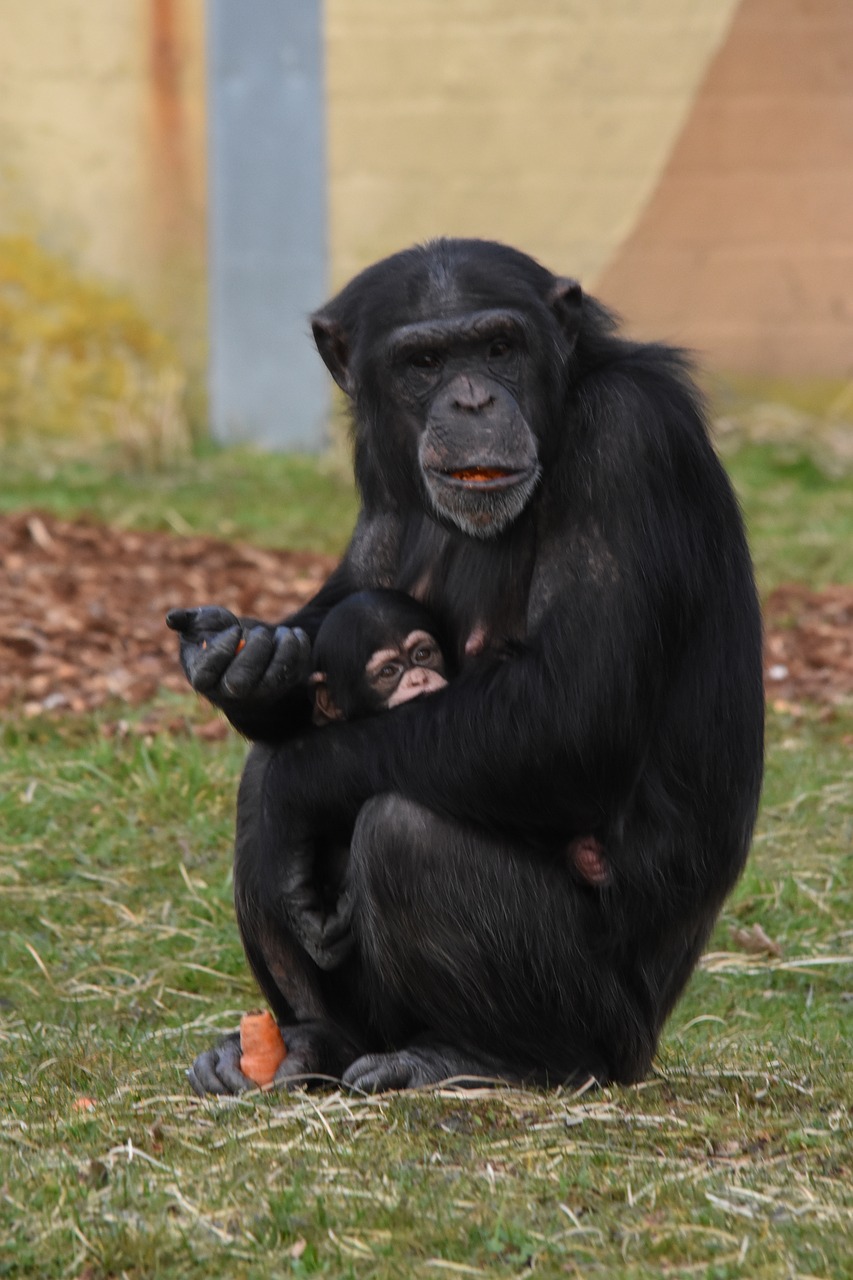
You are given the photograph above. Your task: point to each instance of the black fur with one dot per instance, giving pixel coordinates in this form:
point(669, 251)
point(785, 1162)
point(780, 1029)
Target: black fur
point(615, 688)
point(358, 627)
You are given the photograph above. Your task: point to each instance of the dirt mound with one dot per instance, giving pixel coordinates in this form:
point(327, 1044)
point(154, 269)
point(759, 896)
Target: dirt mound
point(82, 607)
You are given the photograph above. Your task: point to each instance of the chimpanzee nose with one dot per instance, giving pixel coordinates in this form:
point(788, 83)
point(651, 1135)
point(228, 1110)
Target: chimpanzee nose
point(471, 394)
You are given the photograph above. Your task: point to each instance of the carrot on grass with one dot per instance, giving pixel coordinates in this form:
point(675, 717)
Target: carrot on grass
point(262, 1047)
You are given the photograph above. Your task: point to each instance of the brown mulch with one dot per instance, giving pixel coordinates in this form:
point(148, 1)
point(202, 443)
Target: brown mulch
point(82, 607)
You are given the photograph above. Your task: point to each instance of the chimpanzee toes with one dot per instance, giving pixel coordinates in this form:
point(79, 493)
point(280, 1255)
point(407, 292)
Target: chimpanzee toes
point(376, 1072)
point(217, 1070)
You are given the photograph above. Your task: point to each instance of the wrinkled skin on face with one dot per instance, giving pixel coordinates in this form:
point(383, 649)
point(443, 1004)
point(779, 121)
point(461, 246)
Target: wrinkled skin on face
point(462, 387)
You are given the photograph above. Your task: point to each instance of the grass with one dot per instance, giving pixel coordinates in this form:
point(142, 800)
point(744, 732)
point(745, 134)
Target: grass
point(119, 960)
point(799, 519)
point(273, 499)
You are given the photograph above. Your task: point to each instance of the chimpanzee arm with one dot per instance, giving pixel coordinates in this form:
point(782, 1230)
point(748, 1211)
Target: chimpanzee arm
point(256, 672)
point(648, 649)
point(534, 744)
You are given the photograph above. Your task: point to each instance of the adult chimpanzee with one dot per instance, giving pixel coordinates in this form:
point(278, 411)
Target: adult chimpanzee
point(548, 489)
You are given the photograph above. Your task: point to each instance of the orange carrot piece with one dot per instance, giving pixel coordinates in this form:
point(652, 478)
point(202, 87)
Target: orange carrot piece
point(241, 644)
point(262, 1047)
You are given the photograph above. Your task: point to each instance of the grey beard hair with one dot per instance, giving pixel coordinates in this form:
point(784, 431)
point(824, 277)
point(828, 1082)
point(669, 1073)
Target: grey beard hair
point(485, 515)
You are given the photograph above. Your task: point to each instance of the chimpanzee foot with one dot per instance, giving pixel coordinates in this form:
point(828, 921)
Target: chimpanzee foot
point(421, 1065)
point(315, 1051)
point(217, 1070)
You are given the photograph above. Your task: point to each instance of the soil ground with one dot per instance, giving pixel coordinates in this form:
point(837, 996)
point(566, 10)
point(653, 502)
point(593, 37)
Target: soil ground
point(82, 607)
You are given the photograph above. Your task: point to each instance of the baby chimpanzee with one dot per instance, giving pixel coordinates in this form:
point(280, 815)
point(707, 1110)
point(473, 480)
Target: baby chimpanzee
point(375, 650)
point(378, 649)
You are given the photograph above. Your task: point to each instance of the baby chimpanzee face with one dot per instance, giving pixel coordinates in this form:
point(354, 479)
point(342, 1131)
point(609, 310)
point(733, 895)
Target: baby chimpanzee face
point(374, 651)
point(412, 667)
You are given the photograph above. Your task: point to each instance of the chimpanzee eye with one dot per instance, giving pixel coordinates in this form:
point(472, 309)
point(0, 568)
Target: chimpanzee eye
point(388, 671)
point(499, 349)
point(423, 653)
point(428, 360)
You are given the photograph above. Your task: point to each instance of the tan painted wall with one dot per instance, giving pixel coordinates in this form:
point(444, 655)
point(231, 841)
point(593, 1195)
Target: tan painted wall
point(102, 145)
point(542, 124)
point(689, 159)
point(745, 251)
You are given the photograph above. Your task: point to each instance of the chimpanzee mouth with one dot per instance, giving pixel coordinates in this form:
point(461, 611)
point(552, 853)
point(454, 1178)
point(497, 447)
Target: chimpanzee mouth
point(482, 477)
point(481, 500)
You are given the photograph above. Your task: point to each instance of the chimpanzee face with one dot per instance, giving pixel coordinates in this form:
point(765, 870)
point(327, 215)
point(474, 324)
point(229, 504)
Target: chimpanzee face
point(455, 358)
point(375, 650)
point(461, 383)
point(408, 669)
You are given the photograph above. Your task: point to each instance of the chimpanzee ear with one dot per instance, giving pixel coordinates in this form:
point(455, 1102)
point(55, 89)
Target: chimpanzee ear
point(334, 348)
point(566, 301)
point(325, 709)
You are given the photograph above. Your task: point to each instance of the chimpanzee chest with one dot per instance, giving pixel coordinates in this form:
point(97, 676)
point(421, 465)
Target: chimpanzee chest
point(478, 589)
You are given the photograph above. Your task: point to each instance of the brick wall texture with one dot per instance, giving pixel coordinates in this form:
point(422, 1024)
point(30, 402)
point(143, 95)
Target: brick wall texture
point(689, 160)
point(745, 250)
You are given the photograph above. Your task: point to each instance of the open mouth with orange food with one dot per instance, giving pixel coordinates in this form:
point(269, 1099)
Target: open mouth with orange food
point(483, 477)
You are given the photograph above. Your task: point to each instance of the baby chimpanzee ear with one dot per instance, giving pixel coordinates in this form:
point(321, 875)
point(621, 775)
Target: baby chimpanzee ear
point(325, 709)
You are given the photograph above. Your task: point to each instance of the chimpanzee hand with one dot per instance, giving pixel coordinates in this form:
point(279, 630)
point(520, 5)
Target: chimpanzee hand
point(325, 935)
point(232, 660)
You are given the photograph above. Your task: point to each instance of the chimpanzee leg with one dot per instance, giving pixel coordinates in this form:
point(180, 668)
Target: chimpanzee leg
point(319, 1012)
point(490, 950)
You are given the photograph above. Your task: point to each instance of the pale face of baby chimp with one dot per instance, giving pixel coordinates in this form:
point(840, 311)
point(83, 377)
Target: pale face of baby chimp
point(407, 670)
point(375, 651)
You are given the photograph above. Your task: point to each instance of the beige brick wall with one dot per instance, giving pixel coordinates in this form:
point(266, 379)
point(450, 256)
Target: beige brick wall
point(689, 159)
point(102, 153)
point(542, 124)
point(745, 251)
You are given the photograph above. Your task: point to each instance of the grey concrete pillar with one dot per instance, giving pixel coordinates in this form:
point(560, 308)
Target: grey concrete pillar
point(267, 221)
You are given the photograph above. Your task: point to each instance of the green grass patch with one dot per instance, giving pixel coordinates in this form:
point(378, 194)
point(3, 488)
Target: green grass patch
point(119, 960)
point(799, 517)
point(281, 500)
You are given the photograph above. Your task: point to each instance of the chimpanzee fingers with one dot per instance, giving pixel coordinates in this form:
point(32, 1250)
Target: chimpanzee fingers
point(246, 672)
point(270, 661)
point(206, 666)
point(290, 662)
point(377, 1072)
point(199, 624)
point(217, 1070)
point(326, 938)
